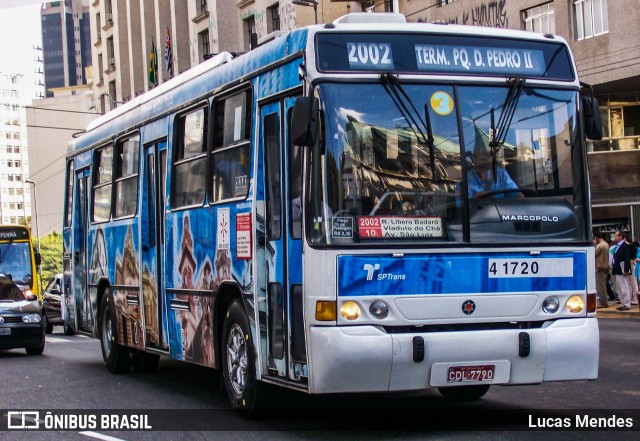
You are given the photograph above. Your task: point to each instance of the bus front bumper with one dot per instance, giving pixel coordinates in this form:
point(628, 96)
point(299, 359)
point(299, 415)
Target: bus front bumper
point(368, 359)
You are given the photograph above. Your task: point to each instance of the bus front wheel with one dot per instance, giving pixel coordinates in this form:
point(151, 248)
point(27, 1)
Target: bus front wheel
point(238, 360)
point(463, 393)
point(116, 357)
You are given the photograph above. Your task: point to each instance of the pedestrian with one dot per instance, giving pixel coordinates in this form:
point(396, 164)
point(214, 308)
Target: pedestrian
point(602, 268)
point(621, 269)
point(633, 282)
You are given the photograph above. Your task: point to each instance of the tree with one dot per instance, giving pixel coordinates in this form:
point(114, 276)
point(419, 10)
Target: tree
point(51, 251)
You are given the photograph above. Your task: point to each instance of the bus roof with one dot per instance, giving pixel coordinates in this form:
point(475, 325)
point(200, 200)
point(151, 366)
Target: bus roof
point(224, 68)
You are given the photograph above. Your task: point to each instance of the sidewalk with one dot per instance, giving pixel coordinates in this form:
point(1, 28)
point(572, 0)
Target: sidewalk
point(612, 312)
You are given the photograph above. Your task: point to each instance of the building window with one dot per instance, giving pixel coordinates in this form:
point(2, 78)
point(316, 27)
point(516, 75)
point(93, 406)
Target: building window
point(591, 18)
point(249, 25)
point(273, 17)
point(445, 2)
point(203, 43)
point(111, 54)
point(98, 28)
point(620, 128)
point(109, 12)
point(540, 19)
point(203, 7)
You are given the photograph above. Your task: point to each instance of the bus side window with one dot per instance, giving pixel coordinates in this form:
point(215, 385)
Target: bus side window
point(295, 184)
point(103, 173)
point(231, 152)
point(126, 177)
point(190, 159)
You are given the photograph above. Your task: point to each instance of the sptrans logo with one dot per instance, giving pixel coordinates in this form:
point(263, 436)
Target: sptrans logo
point(373, 269)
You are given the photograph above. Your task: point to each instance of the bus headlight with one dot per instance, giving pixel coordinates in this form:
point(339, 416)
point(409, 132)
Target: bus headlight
point(379, 309)
point(575, 304)
point(551, 305)
point(350, 310)
point(31, 318)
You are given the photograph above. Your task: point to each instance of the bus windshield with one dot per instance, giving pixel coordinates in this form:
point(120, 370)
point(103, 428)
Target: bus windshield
point(15, 261)
point(432, 163)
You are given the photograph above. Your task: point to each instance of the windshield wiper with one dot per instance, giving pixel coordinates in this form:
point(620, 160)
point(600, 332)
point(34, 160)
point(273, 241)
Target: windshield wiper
point(392, 86)
point(498, 134)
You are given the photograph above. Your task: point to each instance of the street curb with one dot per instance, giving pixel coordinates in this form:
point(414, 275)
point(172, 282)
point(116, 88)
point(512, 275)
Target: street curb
point(612, 312)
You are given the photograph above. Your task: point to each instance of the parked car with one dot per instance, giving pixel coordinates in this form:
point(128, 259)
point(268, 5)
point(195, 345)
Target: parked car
point(52, 302)
point(21, 324)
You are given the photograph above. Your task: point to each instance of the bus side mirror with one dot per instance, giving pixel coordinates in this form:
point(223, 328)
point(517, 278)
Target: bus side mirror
point(38, 258)
point(304, 121)
point(592, 118)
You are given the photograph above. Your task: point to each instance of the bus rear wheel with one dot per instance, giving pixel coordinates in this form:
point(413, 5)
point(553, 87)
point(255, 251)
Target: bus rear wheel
point(238, 360)
point(464, 393)
point(116, 357)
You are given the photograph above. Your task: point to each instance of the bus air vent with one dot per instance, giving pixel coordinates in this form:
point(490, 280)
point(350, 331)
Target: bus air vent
point(527, 227)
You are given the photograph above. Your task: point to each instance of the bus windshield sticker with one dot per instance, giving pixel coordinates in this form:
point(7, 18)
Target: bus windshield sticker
point(342, 227)
point(441, 103)
point(370, 55)
point(468, 59)
point(241, 185)
point(243, 236)
point(381, 227)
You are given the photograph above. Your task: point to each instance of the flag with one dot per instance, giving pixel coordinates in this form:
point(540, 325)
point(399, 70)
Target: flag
point(153, 65)
point(168, 56)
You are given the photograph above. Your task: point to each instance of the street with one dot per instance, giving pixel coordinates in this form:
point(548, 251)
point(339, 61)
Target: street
point(71, 375)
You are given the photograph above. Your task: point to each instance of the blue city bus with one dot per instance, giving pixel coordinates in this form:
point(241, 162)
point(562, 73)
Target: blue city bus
point(318, 205)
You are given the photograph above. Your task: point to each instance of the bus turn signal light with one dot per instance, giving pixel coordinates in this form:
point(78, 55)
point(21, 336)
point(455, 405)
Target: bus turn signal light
point(326, 311)
point(591, 303)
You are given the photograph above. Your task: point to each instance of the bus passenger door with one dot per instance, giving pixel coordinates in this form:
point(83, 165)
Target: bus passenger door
point(152, 237)
point(82, 305)
point(281, 264)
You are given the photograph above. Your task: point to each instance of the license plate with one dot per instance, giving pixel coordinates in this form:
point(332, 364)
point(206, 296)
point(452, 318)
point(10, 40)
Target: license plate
point(458, 374)
point(5, 331)
point(530, 268)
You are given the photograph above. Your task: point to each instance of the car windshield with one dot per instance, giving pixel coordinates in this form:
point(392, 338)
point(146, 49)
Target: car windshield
point(445, 163)
point(15, 260)
point(9, 292)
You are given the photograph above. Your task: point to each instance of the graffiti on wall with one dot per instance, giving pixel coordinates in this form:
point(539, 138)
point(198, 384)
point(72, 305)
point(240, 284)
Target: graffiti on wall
point(492, 13)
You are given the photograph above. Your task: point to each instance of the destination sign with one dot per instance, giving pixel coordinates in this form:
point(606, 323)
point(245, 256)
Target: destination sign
point(381, 227)
point(13, 233)
point(485, 60)
point(421, 53)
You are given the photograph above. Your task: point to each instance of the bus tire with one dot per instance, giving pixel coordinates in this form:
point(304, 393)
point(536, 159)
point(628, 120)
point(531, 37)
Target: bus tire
point(464, 393)
point(48, 326)
point(144, 362)
point(66, 327)
point(238, 361)
point(116, 357)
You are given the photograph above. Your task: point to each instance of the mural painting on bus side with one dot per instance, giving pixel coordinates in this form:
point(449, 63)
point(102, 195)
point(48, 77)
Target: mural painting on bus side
point(127, 300)
point(197, 323)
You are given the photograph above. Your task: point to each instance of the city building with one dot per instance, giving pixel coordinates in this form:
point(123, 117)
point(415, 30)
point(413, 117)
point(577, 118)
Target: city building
point(134, 40)
point(15, 203)
point(52, 122)
point(66, 43)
